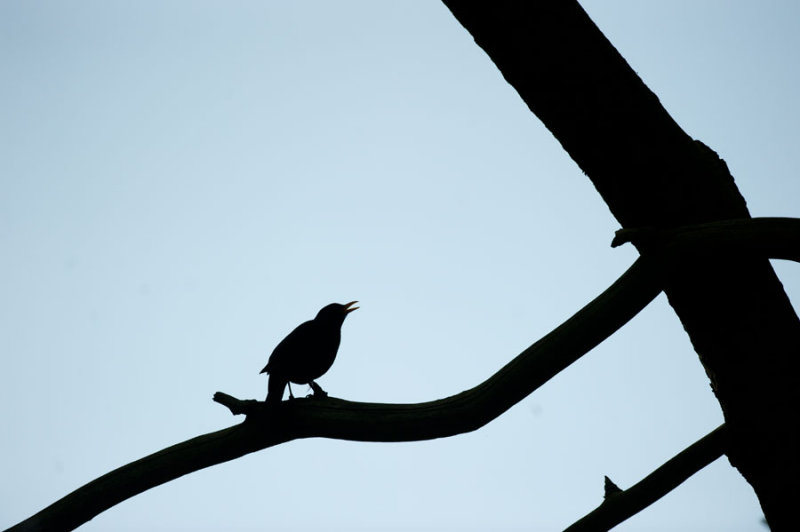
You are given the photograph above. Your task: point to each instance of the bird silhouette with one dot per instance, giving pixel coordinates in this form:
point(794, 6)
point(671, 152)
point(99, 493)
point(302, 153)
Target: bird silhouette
point(307, 352)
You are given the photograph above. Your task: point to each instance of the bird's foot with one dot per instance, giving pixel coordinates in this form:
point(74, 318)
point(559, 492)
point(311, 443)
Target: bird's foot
point(319, 393)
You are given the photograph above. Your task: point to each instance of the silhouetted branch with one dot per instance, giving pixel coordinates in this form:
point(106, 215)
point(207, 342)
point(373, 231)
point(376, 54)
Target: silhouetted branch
point(619, 506)
point(464, 412)
point(652, 174)
point(777, 238)
point(336, 418)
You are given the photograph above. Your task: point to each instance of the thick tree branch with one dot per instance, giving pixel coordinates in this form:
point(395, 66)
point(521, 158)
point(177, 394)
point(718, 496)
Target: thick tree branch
point(652, 174)
point(621, 505)
point(336, 418)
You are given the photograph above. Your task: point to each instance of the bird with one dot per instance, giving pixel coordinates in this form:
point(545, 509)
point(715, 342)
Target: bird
point(306, 353)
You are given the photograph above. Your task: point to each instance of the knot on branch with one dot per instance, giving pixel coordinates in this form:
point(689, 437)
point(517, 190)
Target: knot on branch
point(239, 406)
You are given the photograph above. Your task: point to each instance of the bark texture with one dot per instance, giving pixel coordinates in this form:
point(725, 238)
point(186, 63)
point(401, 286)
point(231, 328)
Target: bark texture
point(652, 174)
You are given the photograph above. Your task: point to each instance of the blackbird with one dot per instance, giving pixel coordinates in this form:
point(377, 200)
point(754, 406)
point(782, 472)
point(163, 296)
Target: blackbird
point(307, 352)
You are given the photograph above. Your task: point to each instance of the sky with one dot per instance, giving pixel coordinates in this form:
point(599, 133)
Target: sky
point(183, 182)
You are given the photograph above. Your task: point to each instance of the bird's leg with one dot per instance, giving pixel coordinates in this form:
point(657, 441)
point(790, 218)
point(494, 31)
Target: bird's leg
point(291, 395)
point(318, 391)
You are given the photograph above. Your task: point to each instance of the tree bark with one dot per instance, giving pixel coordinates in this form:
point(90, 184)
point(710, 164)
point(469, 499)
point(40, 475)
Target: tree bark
point(652, 174)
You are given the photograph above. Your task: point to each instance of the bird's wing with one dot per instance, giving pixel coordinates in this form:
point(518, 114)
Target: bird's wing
point(297, 341)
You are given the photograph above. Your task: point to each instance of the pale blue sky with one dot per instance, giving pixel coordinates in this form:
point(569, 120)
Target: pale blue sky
point(183, 182)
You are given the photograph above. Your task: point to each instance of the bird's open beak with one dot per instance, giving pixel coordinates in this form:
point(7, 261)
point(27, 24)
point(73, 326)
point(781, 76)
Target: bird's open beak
point(348, 307)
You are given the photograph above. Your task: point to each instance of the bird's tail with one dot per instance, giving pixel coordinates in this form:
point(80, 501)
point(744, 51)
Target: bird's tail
point(275, 388)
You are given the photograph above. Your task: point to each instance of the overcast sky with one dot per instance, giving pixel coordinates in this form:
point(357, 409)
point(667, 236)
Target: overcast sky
point(183, 182)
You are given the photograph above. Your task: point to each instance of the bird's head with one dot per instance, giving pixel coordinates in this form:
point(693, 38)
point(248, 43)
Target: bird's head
point(335, 312)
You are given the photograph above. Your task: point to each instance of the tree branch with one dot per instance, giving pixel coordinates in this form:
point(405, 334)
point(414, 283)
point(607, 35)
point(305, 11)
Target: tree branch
point(777, 238)
point(651, 173)
point(621, 505)
point(340, 419)
point(464, 412)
